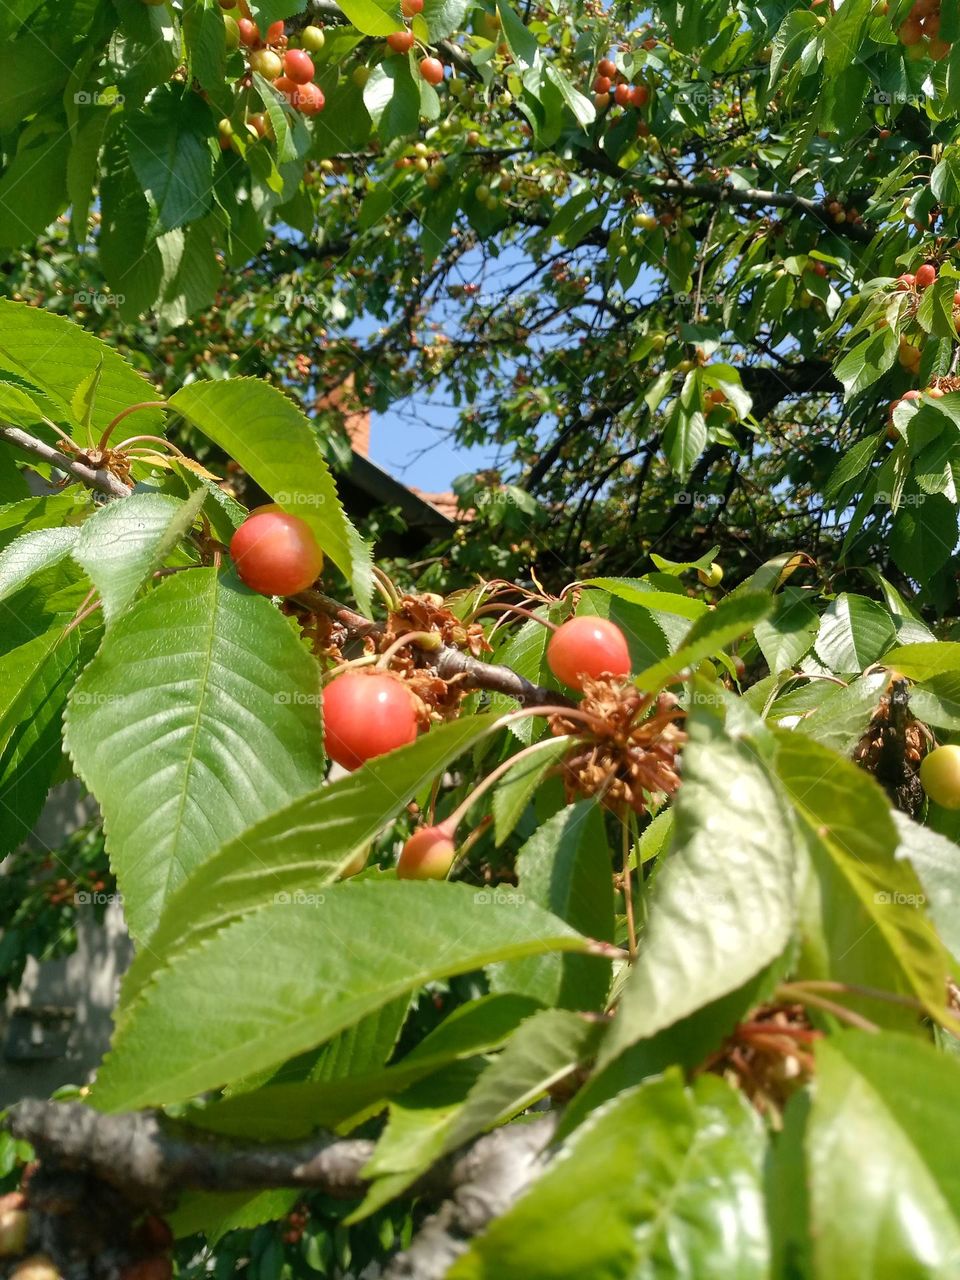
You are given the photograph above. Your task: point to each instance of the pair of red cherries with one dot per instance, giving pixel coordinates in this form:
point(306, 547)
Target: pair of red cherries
point(367, 713)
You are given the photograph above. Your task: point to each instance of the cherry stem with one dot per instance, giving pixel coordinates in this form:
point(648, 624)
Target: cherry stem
point(125, 413)
point(482, 826)
point(67, 439)
point(462, 809)
point(853, 989)
point(571, 713)
point(627, 882)
point(424, 639)
point(799, 992)
point(514, 608)
point(387, 588)
point(155, 439)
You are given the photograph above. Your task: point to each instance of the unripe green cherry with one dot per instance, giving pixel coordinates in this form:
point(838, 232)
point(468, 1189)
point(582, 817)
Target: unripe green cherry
point(940, 776)
point(711, 577)
point(232, 32)
point(312, 39)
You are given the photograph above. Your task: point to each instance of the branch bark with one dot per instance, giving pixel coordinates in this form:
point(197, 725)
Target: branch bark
point(447, 661)
point(99, 479)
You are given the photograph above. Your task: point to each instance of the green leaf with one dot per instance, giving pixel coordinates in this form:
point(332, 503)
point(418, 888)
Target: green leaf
point(205, 38)
point(566, 869)
point(545, 1049)
point(921, 661)
point(945, 179)
point(392, 98)
point(516, 790)
point(723, 902)
point(32, 553)
point(274, 442)
point(13, 485)
point(584, 112)
point(786, 637)
point(684, 437)
point(881, 1142)
point(31, 751)
point(371, 18)
point(197, 689)
point(924, 535)
point(444, 17)
point(844, 713)
point(521, 42)
point(303, 846)
point(57, 355)
point(82, 167)
point(32, 72)
point(124, 542)
point(936, 860)
point(167, 144)
point(294, 1110)
point(311, 952)
point(33, 185)
point(854, 631)
point(874, 929)
point(732, 618)
point(842, 35)
point(663, 1181)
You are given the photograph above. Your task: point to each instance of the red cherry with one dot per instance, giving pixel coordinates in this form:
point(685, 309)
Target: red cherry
point(366, 714)
point(587, 647)
point(601, 84)
point(276, 553)
point(432, 70)
point(410, 8)
point(905, 282)
point(607, 67)
point(926, 275)
point(621, 95)
point(308, 99)
point(400, 41)
point(298, 66)
point(910, 33)
point(428, 854)
point(249, 33)
point(639, 95)
point(274, 32)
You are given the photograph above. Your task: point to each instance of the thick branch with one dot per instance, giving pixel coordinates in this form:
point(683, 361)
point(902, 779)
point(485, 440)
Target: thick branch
point(149, 1159)
point(102, 480)
point(725, 193)
point(447, 660)
point(488, 1179)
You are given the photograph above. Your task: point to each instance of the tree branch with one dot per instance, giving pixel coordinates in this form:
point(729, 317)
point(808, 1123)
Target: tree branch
point(102, 480)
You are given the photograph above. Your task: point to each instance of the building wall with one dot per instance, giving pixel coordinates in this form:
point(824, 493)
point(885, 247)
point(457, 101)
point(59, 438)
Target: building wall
point(57, 1025)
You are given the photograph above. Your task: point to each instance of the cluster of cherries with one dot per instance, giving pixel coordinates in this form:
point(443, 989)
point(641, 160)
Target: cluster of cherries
point(921, 31)
point(910, 355)
point(368, 712)
point(610, 82)
point(289, 70)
